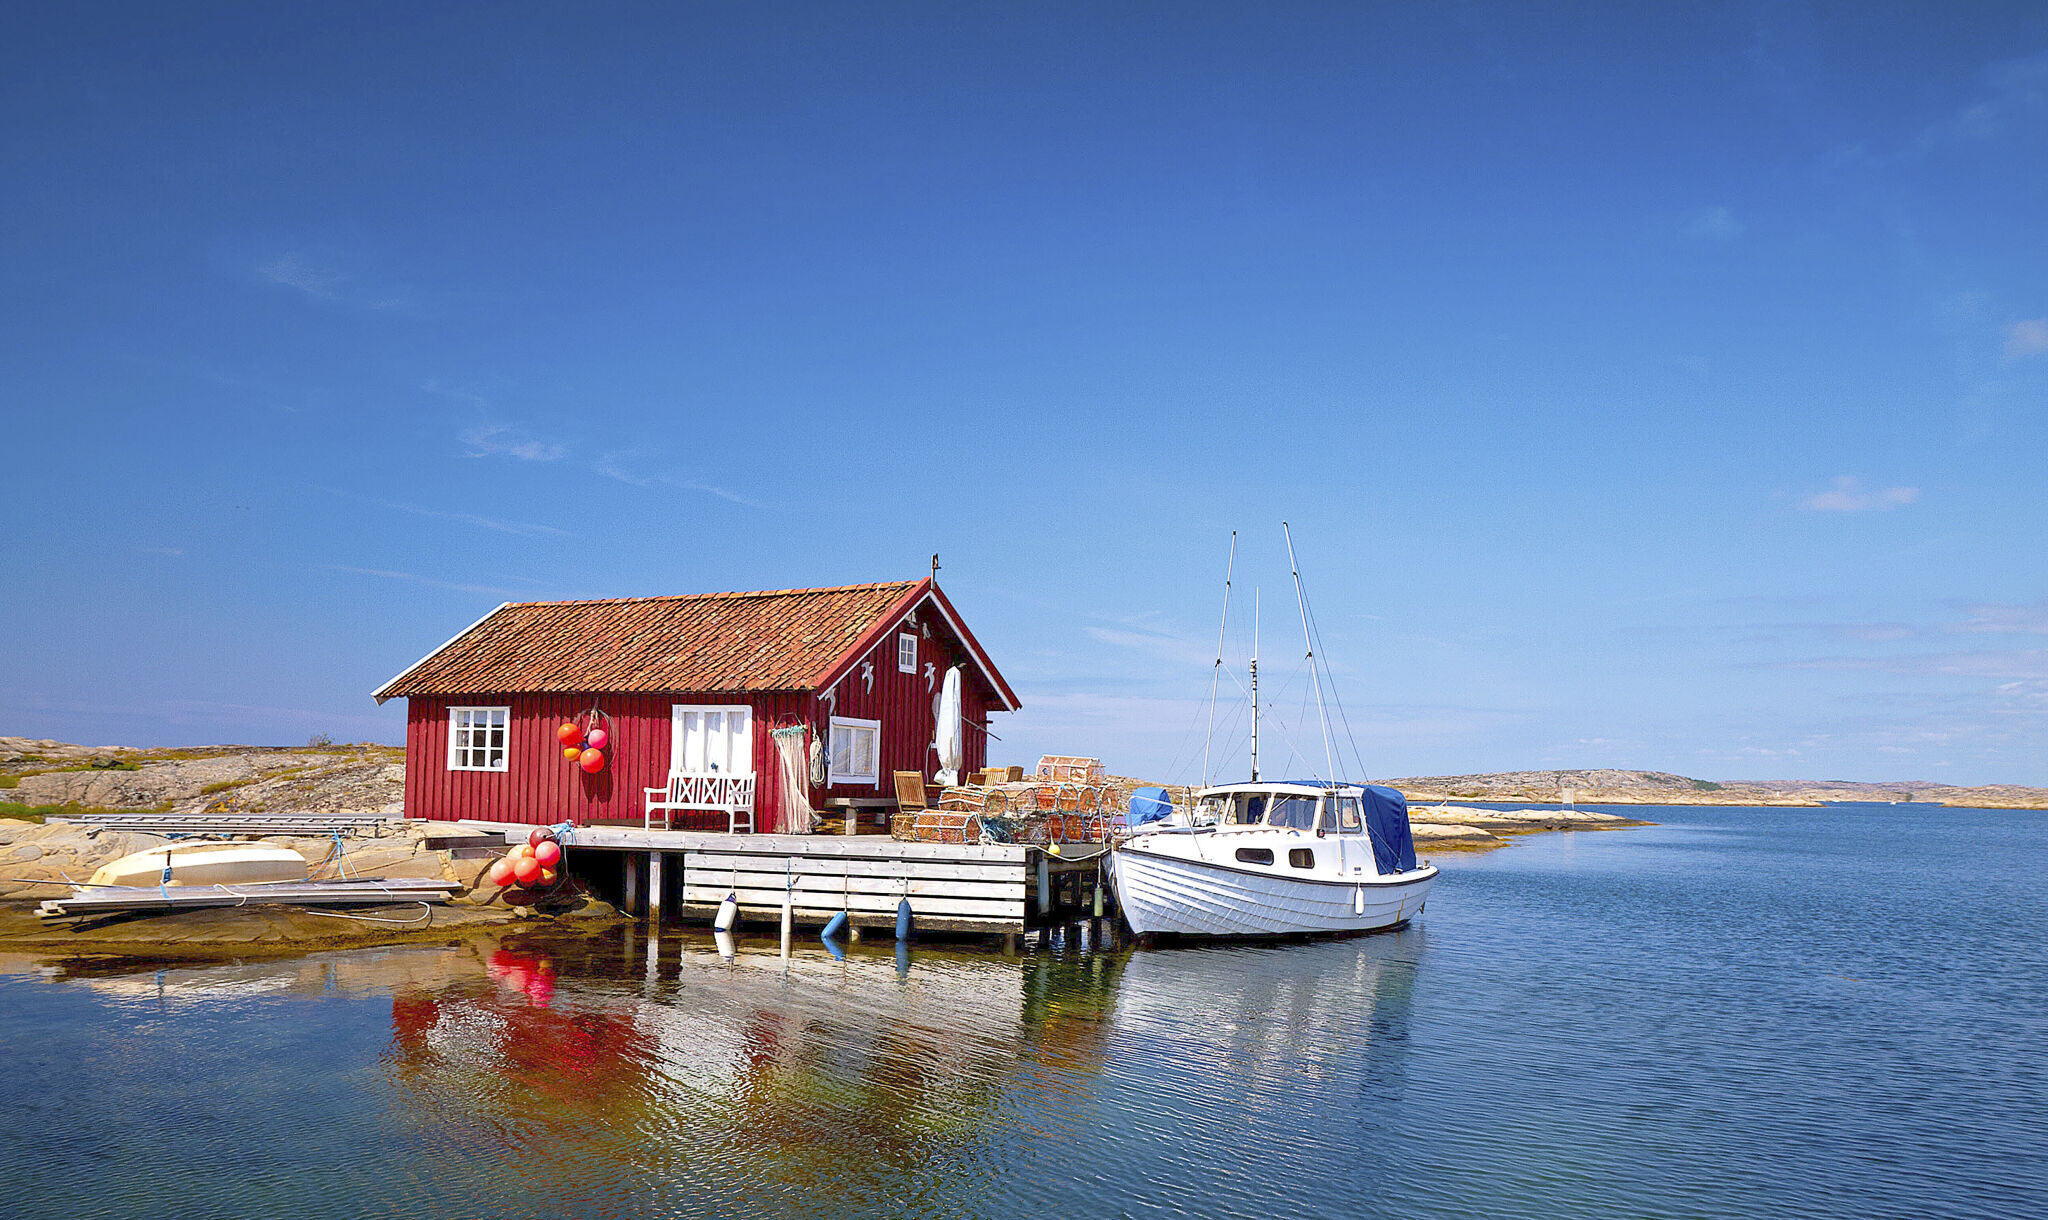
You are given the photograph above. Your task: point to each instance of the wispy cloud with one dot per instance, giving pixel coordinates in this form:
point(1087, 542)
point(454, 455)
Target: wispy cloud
point(1848, 495)
point(415, 578)
point(305, 272)
point(2014, 96)
point(174, 552)
point(2010, 665)
point(1991, 618)
point(527, 529)
point(629, 466)
point(325, 276)
point(2025, 338)
point(1191, 655)
point(509, 440)
point(1716, 223)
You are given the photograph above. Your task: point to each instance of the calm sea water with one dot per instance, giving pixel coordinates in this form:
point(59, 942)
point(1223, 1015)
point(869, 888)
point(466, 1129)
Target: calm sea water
point(1839, 1012)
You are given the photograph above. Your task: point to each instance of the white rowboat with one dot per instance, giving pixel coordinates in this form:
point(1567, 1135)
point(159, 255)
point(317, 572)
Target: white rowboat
point(205, 864)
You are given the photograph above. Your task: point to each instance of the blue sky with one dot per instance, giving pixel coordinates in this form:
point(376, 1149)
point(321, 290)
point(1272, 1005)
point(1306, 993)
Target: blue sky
point(1647, 386)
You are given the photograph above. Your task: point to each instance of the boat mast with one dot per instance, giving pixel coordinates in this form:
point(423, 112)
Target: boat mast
point(1217, 673)
point(1301, 600)
point(1255, 685)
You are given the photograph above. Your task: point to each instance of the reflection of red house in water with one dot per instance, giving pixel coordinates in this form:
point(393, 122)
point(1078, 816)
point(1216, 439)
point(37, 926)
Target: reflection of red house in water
point(691, 686)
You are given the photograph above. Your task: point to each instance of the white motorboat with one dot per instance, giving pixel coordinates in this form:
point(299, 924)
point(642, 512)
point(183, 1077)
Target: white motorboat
point(1273, 859)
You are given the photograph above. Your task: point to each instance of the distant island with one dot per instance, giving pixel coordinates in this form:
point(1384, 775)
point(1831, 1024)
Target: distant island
point(1614, 787)
point(38, 776)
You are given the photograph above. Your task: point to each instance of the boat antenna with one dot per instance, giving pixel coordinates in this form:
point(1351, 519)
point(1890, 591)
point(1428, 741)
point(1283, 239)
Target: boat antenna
point(1301, 599)
point(1215, 675)
point(1255, 683)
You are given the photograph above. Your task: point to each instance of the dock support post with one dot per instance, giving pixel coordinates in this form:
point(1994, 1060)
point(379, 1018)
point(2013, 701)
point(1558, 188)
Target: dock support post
point(1044, 884)
point(788, 904)
point(632, 884)
point(654, 886)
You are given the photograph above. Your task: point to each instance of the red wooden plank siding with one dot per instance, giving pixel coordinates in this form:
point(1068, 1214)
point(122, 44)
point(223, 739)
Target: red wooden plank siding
point(540, 787)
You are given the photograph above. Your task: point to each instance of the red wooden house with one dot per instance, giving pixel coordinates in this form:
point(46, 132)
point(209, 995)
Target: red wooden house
point(693, 687)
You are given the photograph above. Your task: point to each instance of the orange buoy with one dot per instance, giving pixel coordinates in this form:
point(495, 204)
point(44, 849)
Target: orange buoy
point(592, 761)
point(501, 872)
point(568, 734)
point(548, 852)
point(572, 753)
point(527, 870)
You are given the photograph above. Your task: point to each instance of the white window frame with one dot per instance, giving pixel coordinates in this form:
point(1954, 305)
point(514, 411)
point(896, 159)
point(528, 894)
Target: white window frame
point(464, 749)
point(833, 775)
point(678, 745)
point(906, 653)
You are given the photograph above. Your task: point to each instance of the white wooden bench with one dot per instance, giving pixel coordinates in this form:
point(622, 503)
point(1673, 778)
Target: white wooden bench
point(731, 795)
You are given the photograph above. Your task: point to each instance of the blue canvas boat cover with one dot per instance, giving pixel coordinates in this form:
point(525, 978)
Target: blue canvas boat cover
point(1149, 805)
point(1386, 821)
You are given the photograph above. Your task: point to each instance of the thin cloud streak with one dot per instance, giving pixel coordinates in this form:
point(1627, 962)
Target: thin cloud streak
point(2025, 338)
point(1848, 495)
point(506, 440)
point(416, 578)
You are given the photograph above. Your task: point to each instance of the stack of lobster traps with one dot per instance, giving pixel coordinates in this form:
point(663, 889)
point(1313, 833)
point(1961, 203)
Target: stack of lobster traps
point(1067, 800)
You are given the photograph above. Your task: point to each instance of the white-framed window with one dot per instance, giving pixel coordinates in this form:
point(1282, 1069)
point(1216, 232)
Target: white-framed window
point(711, 739)
point(906, 653)
point(856, 752)
point(476, 738)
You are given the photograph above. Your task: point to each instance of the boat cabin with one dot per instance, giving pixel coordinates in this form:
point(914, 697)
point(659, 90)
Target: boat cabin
point(1312, 806)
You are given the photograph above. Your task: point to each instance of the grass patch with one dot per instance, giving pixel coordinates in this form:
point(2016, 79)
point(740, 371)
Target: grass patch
point(38, 813)
point(226, 785)
point(10, 781)
point(1705, 785)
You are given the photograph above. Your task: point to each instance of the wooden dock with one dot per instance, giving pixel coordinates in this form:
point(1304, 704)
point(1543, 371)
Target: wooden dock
point(970, 888)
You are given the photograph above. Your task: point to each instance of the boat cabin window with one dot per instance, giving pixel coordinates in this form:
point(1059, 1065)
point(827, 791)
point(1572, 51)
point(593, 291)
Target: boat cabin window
point(1210, 810)
point(1249, 810)
point(1255, 855)
point(1293, 812)
point(1343, 818)
point(1302, 857)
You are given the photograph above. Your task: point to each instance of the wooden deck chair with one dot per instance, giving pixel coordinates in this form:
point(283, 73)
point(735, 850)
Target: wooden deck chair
point(910, 793)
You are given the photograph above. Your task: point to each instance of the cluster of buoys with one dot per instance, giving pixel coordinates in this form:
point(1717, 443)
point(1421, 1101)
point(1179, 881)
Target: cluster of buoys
point(534, 863)
point(584, 748)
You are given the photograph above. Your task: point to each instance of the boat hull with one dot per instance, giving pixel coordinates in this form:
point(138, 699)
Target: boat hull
point(206, 864)
point(1163, 893)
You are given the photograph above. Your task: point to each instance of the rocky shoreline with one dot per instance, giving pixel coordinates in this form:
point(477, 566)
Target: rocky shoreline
point(39, 861)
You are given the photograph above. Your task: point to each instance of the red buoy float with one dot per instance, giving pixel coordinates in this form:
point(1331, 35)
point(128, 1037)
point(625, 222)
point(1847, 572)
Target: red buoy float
point(598, 739)
point(527, 870)
point(569, 734)
point(548, 852)
point(592, 761)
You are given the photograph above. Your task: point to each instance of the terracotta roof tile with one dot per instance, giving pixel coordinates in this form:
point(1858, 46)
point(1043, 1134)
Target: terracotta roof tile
point(775, 640)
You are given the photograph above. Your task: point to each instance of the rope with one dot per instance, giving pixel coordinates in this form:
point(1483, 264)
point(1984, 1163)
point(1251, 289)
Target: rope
point(340, 858)
point(426, 915)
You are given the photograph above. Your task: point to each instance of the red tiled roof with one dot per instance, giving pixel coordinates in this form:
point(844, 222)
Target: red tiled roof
point(783, 639)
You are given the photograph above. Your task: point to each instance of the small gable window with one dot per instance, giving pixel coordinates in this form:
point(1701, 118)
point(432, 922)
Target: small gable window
point(476, 738)
point(906, 653)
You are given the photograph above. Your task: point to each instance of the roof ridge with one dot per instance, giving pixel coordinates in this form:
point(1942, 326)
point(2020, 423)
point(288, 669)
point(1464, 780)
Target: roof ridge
point(684, 597)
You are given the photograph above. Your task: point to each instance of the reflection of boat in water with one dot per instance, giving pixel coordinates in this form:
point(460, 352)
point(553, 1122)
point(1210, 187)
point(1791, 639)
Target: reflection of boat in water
point(1264, 859)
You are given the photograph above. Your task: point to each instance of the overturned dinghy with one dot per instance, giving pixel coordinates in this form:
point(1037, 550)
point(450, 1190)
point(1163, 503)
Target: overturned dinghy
point(204, 864)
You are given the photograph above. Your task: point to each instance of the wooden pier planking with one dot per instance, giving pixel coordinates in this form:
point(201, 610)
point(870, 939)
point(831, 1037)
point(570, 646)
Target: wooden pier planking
point(952, 887)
